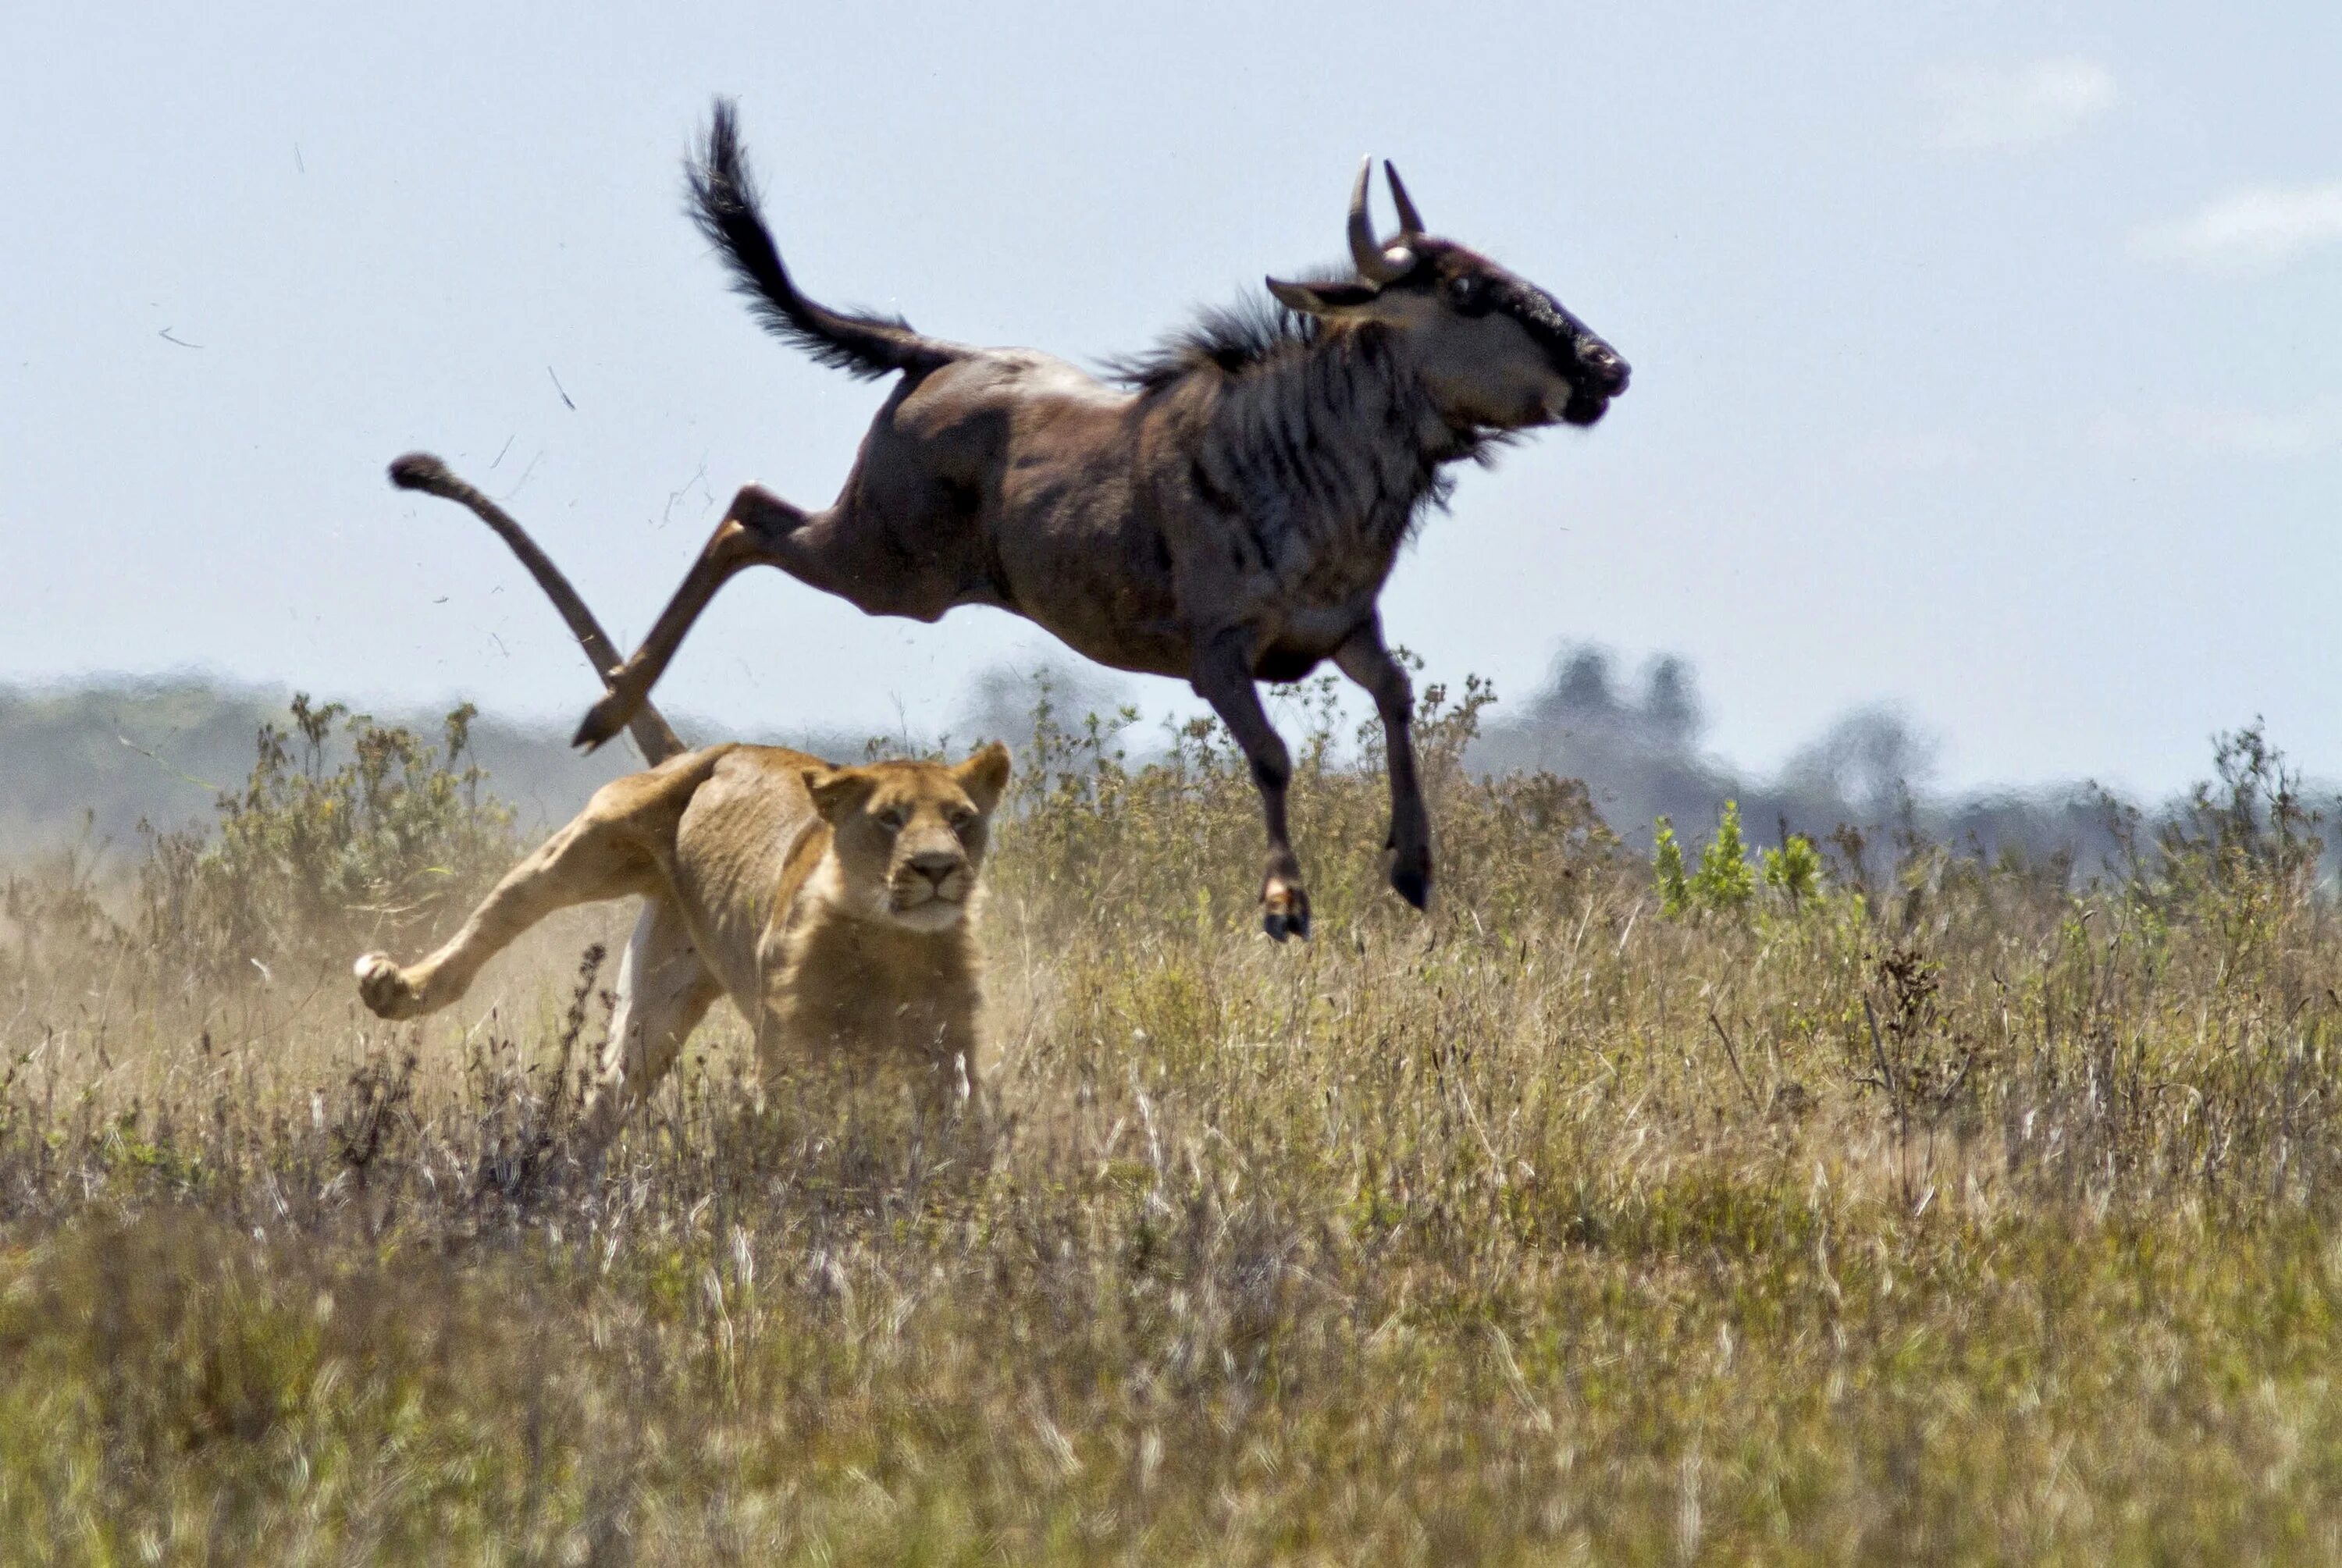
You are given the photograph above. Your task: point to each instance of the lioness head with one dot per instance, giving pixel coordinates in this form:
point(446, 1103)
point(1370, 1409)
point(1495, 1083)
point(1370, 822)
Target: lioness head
point(907, 838)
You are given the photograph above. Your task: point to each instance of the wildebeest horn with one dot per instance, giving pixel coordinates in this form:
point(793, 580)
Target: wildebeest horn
point(1410, 222)
point(1374, 264)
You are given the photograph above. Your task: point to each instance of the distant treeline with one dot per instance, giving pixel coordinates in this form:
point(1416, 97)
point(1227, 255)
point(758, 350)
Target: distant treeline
point(99, 759)
point(94, 761)
point(1638, 752)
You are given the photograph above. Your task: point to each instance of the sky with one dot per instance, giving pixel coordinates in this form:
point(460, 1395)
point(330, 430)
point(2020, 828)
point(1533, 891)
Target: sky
point(1988, 358)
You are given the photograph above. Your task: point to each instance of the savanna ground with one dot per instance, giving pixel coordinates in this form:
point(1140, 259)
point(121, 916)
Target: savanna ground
point(1825, 1205)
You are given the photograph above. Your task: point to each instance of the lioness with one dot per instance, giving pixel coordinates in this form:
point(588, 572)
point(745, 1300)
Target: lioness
point(830, 904)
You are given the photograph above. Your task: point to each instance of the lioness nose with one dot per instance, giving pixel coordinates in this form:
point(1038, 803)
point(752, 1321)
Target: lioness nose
point(936, 866)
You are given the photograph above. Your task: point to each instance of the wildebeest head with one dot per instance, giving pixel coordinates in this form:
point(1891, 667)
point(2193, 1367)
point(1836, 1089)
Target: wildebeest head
point(1496, 351)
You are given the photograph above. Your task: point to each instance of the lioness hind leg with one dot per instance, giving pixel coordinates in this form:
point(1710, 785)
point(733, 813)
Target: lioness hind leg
point(663, 991)
point(592, 858)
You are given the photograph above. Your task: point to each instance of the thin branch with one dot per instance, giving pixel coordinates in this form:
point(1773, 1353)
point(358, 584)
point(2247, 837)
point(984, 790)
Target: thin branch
point(1879, 1049)
point(166, 767)
point(1733, 1056)
point(1902, 1107)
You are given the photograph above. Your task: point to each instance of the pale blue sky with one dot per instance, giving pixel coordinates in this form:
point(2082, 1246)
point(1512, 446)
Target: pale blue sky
point(1988, 357)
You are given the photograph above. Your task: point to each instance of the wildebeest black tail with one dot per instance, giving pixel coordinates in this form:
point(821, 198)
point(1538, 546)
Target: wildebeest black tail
point(723, 205)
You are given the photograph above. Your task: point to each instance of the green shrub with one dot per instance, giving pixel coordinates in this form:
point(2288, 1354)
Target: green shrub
point(1667, 868)
point(1794, 871)
point(329, 848)
point(1725, 881)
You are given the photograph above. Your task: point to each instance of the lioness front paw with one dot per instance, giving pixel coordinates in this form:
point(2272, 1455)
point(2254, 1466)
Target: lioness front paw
point(1285, 910)
point(382, 988)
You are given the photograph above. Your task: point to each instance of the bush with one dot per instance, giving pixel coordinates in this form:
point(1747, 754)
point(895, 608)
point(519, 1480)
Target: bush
point(328, 849)
point(1725, 882)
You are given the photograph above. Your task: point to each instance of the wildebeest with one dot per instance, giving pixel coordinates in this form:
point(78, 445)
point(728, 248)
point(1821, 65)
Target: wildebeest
point(1227, 514)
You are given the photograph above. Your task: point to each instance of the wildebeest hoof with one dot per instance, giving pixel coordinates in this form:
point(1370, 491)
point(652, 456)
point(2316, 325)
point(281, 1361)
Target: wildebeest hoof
point(602, 722)
point(1284, 912)
point(1281, 926)
point(1410, 872)
point(382, 988)
point(1412, 882)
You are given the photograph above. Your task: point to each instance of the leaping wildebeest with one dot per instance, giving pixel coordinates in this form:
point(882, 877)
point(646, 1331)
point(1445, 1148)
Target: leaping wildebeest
point(1227, 515)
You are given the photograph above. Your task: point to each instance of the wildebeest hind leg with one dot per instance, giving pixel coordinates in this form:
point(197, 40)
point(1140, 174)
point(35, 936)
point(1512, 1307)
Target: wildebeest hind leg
point(759, 529)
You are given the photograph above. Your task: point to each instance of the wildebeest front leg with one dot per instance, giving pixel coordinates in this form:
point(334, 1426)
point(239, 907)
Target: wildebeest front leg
point(1224, 679)
point(758, 529)
point(1365, 660)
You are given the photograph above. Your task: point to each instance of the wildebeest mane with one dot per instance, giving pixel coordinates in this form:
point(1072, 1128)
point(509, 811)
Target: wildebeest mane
point(1253, 332)
point(1299, 386)
point(1229, 339)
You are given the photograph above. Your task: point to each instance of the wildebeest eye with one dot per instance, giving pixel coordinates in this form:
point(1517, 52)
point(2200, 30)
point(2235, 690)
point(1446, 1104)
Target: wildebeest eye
point(1467, 293)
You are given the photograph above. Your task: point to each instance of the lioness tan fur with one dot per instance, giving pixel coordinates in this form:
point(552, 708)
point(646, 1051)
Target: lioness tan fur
point(831, 904)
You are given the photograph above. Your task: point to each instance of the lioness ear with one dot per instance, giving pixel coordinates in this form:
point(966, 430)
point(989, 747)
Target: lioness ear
point(985, 775)
point(836, 791)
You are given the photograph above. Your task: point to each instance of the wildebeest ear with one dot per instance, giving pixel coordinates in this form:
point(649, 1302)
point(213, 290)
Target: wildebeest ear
point(836, 791)
point(985, 776)
point(1322, 298)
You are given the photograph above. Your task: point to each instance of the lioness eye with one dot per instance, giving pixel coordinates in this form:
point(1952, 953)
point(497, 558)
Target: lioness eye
point(960, 818)
point(891, 819)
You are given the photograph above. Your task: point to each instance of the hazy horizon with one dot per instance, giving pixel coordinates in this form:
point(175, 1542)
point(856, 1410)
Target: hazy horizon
point(1985, 359)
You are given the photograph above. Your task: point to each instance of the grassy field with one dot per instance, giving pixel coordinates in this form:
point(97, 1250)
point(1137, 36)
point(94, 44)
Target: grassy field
point(1872, 1205)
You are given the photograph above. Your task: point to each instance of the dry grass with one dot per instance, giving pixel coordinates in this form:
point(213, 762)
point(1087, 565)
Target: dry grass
point(1960, 1217)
